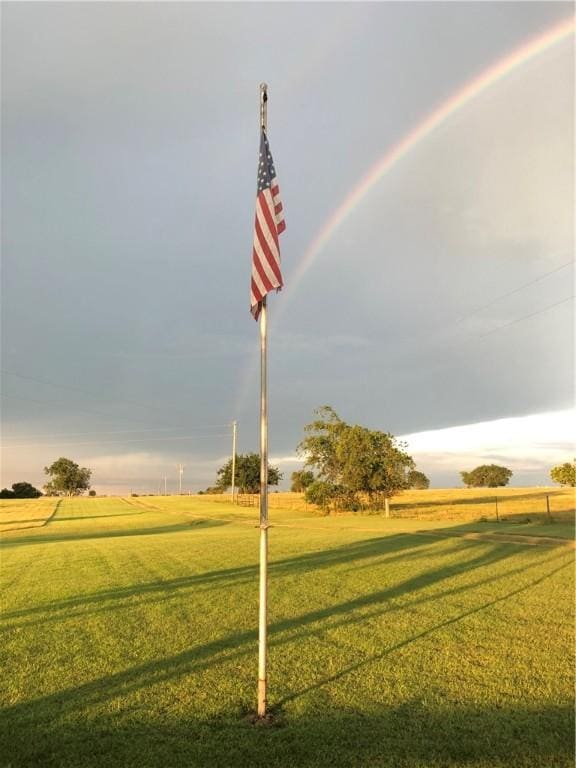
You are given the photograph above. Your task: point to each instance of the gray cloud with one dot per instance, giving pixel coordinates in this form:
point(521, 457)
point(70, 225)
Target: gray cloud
point(128, 149)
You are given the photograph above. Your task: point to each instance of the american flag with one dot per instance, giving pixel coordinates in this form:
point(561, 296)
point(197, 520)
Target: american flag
point(268, 224)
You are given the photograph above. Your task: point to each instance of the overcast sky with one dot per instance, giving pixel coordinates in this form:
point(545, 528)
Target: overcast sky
point(129, 148)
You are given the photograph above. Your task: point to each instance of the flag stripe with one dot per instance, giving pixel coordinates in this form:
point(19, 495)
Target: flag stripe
point(261, 274)
point(269, 230)
point(264, 266)
point(266, 220)
point(267, 250)
point(258, 289)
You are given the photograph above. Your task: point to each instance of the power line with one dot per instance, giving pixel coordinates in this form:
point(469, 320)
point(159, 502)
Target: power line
point(59, 402)
point(93, 394)
point(114, 432)
point(526, 317)
point(454, 328)
point(114, 442)
point(513, 291)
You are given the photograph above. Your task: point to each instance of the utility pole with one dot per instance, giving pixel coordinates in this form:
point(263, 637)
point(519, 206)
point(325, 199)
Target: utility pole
point(233, 458)
point(165, 479)
point(180, 468)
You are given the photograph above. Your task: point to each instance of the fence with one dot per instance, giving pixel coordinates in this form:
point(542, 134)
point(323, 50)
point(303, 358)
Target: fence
point(465, 504)
point(511, 506)
point(246, 499)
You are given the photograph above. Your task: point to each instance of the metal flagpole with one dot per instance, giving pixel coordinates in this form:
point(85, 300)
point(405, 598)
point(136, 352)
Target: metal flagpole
point(262, 618)
point(233, 458)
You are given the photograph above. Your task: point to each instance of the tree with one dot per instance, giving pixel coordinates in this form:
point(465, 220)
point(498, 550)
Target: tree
point(487, 476)
point(91, 493)
point(418, 480)
point(564, 474)
point(20, 491)
point(67, 478)
point(25, 491)
point(301, 480)
point(354, 464)
point(247, 475)
point(319, 446)
point(321, 493)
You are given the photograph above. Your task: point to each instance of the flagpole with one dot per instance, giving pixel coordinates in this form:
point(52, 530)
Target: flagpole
point(263, 602)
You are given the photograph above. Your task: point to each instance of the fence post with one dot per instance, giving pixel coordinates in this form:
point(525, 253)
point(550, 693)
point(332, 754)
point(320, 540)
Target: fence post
point(548, 508)
point(386, 507)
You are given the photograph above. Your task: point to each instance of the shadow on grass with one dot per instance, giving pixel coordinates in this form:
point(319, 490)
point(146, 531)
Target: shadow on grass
point(75, 727)
point(411, 735)
point(441, 625)
point(366, 553)
point(389, 548)
point(236, 645)
point(46, 537)
point(535, 530)
point(99, 517)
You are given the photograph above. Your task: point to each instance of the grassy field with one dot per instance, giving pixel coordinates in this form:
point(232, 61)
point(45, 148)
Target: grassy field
point(129, 635)
point(26, 513)
point(516, 506)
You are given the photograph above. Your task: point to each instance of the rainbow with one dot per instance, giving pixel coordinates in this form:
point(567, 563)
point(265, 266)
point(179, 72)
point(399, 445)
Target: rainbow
point(454, 103)
point(473, 88)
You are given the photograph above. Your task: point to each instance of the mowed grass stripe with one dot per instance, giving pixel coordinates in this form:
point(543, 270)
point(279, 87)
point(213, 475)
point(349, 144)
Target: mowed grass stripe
point(135, 643)
point(22, 514)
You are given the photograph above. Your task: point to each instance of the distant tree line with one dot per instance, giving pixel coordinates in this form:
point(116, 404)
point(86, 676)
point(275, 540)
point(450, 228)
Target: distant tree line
point(346, 467)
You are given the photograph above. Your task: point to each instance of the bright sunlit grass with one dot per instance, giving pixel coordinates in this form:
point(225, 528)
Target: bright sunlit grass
point(26, 513)
point(130, 639)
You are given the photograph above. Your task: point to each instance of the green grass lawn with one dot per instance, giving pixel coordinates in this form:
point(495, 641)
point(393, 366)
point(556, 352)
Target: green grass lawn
point(129, 638)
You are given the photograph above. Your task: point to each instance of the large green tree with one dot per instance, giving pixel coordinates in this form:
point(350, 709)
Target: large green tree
point(564, 474)
point(487, 476)
point(67, 478)
point(355, 465)
point(247, 474)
